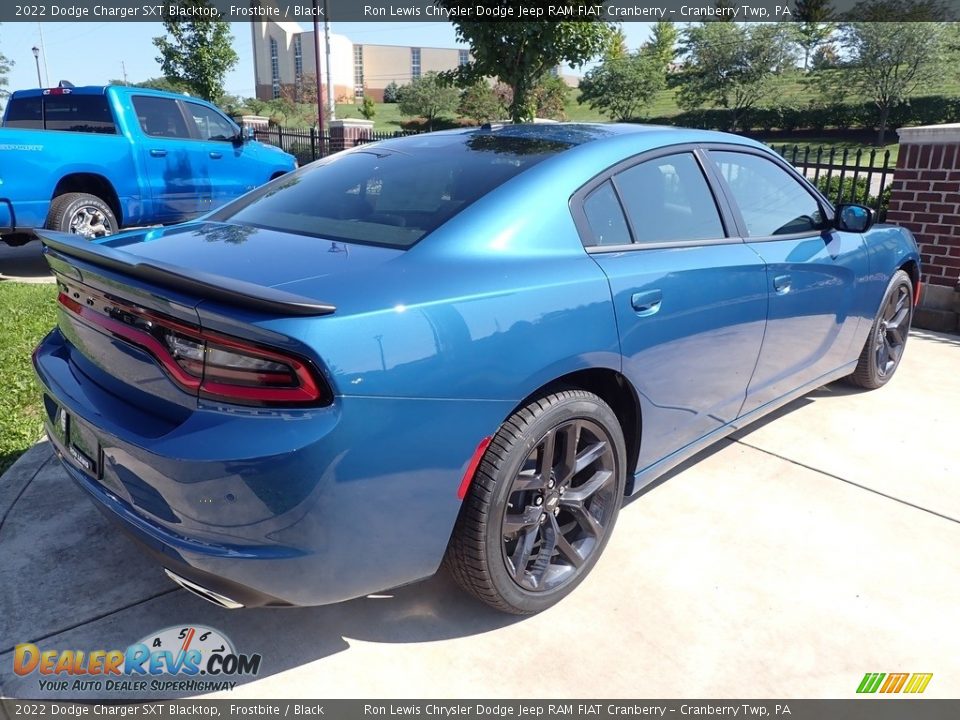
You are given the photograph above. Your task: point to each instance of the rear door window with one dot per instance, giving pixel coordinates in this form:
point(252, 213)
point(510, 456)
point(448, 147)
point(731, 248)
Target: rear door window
point(160, 117)
point(668, 200)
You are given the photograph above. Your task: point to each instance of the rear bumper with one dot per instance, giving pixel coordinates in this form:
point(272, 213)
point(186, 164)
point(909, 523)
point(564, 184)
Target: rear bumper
point(270, 507)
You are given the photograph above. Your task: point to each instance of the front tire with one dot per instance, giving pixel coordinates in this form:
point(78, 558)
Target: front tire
point(542, 504)
point(884, 347)
point(81, 214)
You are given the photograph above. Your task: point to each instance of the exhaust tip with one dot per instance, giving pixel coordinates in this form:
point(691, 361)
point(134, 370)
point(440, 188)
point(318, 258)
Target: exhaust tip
point(200, 591)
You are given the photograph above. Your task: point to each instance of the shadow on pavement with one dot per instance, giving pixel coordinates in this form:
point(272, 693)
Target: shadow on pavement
point(72, 581)
point(25, 263)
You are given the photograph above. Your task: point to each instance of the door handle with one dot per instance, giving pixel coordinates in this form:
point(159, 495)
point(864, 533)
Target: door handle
point(216, 155)
point(646, 303)
point(782, 284)
point(156, 152)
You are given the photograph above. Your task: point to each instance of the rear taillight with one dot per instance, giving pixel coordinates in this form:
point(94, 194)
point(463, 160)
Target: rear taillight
point(212, 365)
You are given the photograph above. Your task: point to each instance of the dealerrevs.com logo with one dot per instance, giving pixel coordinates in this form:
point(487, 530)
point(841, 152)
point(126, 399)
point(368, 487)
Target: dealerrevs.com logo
point(177, 659)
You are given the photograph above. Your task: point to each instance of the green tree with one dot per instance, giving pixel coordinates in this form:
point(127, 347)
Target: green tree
point(520, 54)
point(549, 97)
point(888, 61)
point(429, 98)
point(663, 43)
point(390, 92)
point(480, 103)
point(730, 65)
point(617, 46)
point(197, 53)
point(368, 109)
point(621, 87)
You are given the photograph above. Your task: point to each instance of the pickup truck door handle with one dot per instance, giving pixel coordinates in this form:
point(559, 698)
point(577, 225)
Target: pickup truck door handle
point(157, 152)
point(782, 283)
point(646, 303)
point(216, 155)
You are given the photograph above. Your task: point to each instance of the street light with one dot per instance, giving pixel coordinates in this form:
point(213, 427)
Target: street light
point(36, 59)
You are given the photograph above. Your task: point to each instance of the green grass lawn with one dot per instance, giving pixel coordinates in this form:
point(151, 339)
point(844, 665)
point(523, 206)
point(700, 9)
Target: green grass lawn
point(29, 311)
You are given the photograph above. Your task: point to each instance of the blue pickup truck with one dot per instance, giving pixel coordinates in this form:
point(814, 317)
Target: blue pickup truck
point(92, 160)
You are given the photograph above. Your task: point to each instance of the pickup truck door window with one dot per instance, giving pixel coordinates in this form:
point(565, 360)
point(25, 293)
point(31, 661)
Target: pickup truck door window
point(178, 180)
point(811, 274)
point(232, 166)
point(690, 302)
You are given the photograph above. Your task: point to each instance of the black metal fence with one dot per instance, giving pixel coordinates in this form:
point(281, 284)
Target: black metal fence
point(306, 144)
point(862, 176)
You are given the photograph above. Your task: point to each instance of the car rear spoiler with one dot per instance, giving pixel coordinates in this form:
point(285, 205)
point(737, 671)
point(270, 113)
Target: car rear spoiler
point(199, 284)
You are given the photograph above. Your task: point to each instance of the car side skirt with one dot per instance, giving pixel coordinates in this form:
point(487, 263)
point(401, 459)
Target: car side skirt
point(645, 477)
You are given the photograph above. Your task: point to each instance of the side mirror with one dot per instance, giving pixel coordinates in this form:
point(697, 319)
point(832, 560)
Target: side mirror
point(854, 218)
point(245, 135)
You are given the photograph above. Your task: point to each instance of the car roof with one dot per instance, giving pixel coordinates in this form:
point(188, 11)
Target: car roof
point(638, 136)
point(98, 90)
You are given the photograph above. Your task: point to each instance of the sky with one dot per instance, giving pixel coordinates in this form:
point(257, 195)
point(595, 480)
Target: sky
point(92, 53)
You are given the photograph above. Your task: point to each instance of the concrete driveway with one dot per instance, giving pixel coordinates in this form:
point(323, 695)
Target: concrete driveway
point(787, 562)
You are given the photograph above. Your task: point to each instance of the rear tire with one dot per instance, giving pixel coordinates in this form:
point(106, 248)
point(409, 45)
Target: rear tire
point(542, 504)
point(81, 214)
point(884, 347)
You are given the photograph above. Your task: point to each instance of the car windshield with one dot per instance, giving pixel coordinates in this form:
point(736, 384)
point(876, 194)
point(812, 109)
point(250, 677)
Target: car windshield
point(391, 196)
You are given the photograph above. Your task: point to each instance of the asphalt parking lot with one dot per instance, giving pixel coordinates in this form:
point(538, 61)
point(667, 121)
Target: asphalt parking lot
point(787, 561)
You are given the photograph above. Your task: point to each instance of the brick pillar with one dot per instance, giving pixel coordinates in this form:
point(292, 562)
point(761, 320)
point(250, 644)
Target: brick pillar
point(926, 199)
point(345, 134)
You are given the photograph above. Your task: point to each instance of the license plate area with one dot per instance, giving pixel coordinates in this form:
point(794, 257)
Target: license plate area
point(79, 441)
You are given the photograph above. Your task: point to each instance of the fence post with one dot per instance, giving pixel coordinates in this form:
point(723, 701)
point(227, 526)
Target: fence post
point(280, 137)
point(313, 143)
point(349, 132)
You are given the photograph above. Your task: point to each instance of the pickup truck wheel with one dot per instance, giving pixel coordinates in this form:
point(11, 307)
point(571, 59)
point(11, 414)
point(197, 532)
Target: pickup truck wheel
point(81, 214)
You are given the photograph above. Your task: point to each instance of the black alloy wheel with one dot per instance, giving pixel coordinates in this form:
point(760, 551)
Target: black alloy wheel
point(884, 346)
point(542, 504)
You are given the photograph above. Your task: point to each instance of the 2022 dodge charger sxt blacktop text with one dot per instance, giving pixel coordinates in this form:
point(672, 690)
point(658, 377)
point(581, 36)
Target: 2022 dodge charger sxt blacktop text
point(468, 345)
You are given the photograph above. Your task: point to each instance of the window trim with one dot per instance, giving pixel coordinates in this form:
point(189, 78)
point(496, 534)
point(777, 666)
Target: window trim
point(721, 201)
point(191, 123)
point(192, 130)
point(826, 207)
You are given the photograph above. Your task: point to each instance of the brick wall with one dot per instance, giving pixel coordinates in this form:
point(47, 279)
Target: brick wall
point(926, 198)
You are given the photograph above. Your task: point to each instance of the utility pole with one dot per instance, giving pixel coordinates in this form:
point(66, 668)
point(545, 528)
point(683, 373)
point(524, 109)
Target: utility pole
point(331, 100)
point(319, 77)
point(43, 54)
point(123, 67)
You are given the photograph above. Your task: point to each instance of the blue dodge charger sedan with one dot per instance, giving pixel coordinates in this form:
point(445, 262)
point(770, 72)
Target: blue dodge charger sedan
point(463, 347)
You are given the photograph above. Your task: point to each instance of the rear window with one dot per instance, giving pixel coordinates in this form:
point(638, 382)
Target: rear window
point(73, 113)
point(384, 197)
